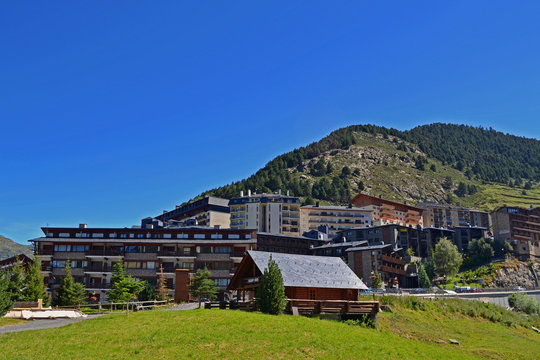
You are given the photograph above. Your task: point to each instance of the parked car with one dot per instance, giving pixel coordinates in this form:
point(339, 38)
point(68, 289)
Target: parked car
point(478, 290)
point(519, 288)
point(367, 291)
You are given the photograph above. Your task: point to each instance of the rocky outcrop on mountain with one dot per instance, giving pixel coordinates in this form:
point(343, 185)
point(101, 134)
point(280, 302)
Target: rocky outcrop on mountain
point(517, 274)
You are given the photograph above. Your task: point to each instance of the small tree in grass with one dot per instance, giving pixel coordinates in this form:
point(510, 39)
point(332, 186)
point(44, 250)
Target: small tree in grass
point(447, 258)
point(376, 282)
point(423, 279)
point(147, 293)
point(271, 292)
point(34, 287)
point(70, 292)
point(5, 296)
point(123, 287)
point(162, 292)
point(202, 286)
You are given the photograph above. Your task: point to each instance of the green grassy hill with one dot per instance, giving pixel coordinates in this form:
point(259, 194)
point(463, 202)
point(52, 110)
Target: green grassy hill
point(438, 162)
point(416, 329)
point(9, 248)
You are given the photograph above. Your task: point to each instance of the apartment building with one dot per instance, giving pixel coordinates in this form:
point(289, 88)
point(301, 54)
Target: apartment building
point(208, 211)
point(269, 213)
point(448, 216)
point(336, 218)
point(289, 244)
point(389, 212)
point(520, 227)
point(143, 250)
point(389, 264)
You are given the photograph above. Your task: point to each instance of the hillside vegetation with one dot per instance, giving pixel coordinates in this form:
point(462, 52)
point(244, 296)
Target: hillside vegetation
point(9, 248)
point(415, 330)
point(438, 162)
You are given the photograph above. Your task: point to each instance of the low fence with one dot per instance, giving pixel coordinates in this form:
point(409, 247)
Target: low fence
point(109, 307)
point(342, 307)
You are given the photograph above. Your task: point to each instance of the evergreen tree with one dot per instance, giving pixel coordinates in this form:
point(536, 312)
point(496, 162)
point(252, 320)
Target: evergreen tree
point(429, 266)
point(5, 297)
point(447, 258)
point(480, 248)
point(70, 292)
point(447, 184)
point(329, 168)
point(433, 168)
point(16, 282)
point(361, 186)
point(147, 293)
point(461, 189)
point(34, 287)
point(346, 171)
point(271, 292)
point(423, 278)
point(202, 286)
point(123, 288)
point(162, 291)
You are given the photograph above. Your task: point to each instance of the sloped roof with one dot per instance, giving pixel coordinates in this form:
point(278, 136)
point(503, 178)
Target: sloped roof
point(309, 270)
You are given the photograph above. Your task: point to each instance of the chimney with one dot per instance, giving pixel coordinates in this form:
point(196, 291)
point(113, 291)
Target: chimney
point(241, 193)
point(317, 204)
point(405, 202)
point(177, 206)
point(279, 191)
point(380, 196)
point(82, 226)
point(289, 195)
point(249, 192)
point(164, 211)
point(350, 206)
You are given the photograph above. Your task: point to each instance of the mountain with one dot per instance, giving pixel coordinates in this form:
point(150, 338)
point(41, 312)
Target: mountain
point(437, 162)
point(9, 248)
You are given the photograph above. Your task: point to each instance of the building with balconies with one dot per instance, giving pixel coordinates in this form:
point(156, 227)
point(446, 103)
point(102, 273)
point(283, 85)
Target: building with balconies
point(389, 212)
point(387, 262)
point(143, 251)
point(337, 218)
point(269, 213)
point(449, 216)
point(208, 211)
point(520, 227)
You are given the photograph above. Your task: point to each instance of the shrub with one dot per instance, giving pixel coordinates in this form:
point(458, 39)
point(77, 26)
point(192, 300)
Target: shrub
point(524, 303)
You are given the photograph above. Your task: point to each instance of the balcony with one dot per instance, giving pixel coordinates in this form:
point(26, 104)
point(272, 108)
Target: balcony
point(45, 252)
point(64, 255)
point(213, 257)
point(98, 286)
point(167, 253)
point(392, 259)
point(141, 272)
point(392, 270)
point(140, 256)
point(100, 268)
point(104, 252)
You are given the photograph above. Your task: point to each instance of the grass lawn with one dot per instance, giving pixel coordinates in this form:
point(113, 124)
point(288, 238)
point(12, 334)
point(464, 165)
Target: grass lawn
point(8, 322)
point(213, 334)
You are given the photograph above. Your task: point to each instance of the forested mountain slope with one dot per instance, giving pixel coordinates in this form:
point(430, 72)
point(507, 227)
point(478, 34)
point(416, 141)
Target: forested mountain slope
point(437, 162)
point(9, 248)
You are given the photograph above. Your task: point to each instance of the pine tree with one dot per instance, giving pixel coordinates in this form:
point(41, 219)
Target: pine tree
point(123, 288)
point(162, 291)
point(147, 293)
point(34, 287)
point(16, 282)
point(70, 292)
point(423, 279)
point(202, 286)
point(5, 297)
point(271, 292)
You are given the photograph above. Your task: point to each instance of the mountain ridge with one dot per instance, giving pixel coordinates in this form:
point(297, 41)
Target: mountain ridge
point(435, 162)
point(9, 248)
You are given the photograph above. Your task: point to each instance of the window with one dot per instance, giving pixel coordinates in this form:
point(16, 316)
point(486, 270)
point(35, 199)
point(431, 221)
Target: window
point(187, 265)
point(62, 247)
point(248, 236)
point(123, 236)
point(63, 235)
point(206, 250)
point(133, 249)
point(58, 263)
point(217, 236)
point(79, 248)
point(312, 294)
point(222, 249)
point(199, 236)
point(234, 236)
point(97, 235)
point(186, 250)
point(140, 236)
point(151, 249)
point(222, 282)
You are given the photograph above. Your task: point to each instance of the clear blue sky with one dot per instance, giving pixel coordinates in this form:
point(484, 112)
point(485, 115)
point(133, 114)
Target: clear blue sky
point(113, 111)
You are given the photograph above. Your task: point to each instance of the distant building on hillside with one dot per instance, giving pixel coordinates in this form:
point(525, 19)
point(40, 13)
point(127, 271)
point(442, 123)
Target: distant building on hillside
point(9, 263)
point(268, 213)
point(337, 218)
point(389, 212)
point(520, 227)
point(449, 216)
point(208, 211)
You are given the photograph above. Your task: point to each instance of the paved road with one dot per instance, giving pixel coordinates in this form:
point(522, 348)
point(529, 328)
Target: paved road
point(188, 306)
point(41, 324)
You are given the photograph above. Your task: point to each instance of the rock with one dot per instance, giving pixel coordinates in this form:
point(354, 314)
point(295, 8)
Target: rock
point(441, 341)
point(386, 308)
point(535, 329)
point(453, 341)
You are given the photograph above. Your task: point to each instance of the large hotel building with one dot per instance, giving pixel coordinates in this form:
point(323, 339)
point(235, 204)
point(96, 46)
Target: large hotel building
point(337, 218)
point(520, 227)
point(269, 213)
point(389, 212)
point(448, 216)
point(144, 250)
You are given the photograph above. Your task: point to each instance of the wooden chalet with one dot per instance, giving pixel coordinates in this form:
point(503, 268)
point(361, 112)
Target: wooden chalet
point(313, 284)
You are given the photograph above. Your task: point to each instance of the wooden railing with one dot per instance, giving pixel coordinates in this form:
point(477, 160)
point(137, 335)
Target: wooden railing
point(332, 306)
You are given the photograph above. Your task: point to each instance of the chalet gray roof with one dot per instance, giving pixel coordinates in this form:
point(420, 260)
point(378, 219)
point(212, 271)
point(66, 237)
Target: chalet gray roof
point(310, 271)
